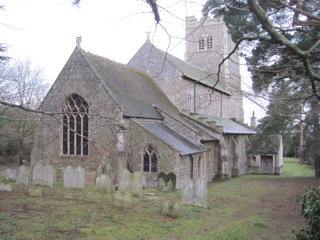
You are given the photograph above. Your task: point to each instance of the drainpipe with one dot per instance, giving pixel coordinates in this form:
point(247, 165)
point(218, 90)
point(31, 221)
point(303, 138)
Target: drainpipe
point(194, 98)
point(191, 162)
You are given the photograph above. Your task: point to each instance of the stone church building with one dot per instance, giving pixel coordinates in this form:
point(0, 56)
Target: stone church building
point(157, 114)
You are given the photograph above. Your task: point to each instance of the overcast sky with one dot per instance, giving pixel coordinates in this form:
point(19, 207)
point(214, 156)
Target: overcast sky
point(46, 30)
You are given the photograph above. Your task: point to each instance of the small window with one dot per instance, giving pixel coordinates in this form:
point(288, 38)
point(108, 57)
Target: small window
point(201, 44)
point(150, 160)
point(209, 43)
point(75, 126)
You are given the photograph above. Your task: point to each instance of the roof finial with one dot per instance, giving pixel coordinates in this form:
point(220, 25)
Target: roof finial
point(78, 40)
point(148, 36)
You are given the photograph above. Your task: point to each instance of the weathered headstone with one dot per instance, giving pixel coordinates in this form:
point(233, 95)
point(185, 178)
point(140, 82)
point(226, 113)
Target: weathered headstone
point(200, 192)
point(103, 183)
point(5, 188)
point(161, 184)
point(171, 209)
point(124, 182)
point(136, 184)
point(194, 191)
point(43, 175)
point(23, 175)
point(187, 191)
point(11, 174)
point(35, 192)
point(79, 174)
point(73, 178)
point(68, 177)
point(117, 199)
point(127, 200)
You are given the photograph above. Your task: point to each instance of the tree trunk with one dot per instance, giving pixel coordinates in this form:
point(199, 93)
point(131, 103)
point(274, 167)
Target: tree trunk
point(317, 166)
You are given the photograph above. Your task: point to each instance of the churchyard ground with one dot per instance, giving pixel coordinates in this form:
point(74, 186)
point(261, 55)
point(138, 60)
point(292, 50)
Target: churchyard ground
point(247, 207)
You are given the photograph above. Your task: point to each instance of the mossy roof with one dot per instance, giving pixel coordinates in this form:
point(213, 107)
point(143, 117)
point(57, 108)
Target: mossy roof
point(194, 73)
point(133, 89)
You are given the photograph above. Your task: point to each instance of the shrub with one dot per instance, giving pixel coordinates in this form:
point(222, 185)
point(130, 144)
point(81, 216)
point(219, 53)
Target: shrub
point(310, 209)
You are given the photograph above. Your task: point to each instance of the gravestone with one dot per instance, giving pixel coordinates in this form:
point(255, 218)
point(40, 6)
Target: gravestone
point(5, 188)
point(73, 178)
point(23, 175)
point(11, 174)
point(161, 184)
point(103, 183)
point(200, 193)
point(194, 191)
point(127, 200)
point(124, 181)
point(136, 184)
point(43, 175)
point(187, 193)
point(35, 192)
point(79, 174)
point(171, 209)
point(104, 169)
point(117, 199)
point(68, 177)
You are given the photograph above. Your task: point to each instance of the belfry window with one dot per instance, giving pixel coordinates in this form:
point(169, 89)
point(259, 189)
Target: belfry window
point(205, 42)
point(201, 44)
point(75, 126)
point(150, 160)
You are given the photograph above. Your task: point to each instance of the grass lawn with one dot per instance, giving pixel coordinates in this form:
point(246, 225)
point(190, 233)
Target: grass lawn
point(292, 168)
point(247, 207)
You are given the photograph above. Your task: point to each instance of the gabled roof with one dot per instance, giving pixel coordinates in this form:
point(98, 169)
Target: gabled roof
point(190, 71)
point(174, 139)
point(131, 88)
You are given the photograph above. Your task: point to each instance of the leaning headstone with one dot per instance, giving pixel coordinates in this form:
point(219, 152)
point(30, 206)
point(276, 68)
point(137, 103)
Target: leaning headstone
point(136, 184)
point(35, 192)
point(127, 200)
point(124, 181)
point(117, 199)
point(11, 174)
point(5, 188)
point(103, 183)
point(23, 175)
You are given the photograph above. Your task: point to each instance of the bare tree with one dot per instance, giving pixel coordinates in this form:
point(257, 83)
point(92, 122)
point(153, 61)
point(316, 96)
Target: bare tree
point(23, 85)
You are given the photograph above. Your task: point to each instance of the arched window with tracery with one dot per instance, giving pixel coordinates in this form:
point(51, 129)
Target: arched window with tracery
point(75, 126)
point(150, 159)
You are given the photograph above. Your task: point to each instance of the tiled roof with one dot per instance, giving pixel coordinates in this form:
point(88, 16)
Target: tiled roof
point(131, 88)
point(192, 72)
point(174, 139)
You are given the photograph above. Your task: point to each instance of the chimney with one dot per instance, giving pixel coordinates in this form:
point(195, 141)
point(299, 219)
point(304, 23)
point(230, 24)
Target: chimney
point(253, 121)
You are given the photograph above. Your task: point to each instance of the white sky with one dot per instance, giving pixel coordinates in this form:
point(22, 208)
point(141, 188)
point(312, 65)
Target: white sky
point(46, 31)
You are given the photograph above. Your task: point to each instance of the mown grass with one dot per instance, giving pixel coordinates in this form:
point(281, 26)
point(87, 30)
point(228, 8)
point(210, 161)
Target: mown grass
point(248, 207)
point(292, 168)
